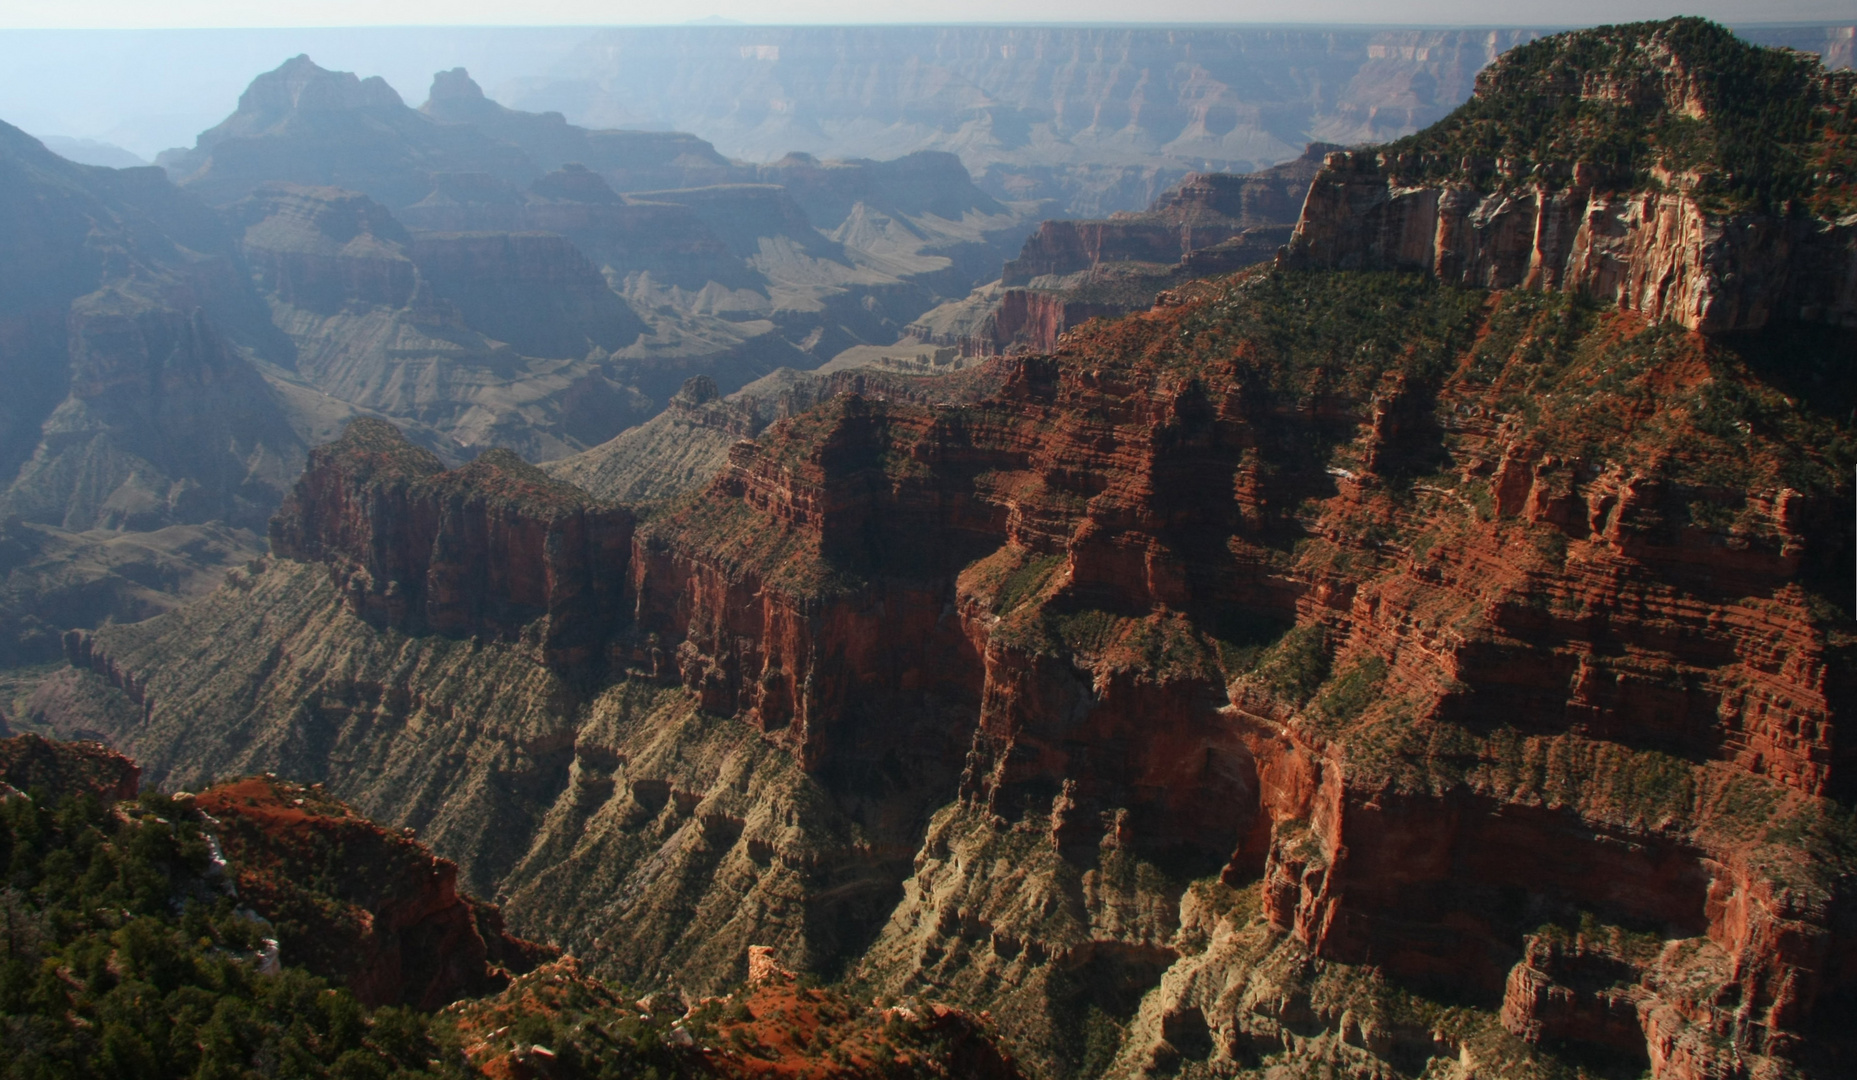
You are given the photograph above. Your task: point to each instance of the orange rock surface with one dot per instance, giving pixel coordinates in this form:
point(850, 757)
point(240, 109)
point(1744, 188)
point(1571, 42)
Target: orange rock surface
point(359, 904)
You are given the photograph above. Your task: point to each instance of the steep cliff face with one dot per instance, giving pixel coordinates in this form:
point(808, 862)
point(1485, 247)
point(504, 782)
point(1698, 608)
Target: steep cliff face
point(488, 549)
point(1322, 613)
point(1034, 320)
point(1671, 218)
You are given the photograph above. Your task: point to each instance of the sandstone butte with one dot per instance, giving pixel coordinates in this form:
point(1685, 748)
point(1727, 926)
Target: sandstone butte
point(1350, 671)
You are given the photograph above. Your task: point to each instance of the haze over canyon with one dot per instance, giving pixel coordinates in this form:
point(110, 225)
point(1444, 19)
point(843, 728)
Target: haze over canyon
point(1033, 553)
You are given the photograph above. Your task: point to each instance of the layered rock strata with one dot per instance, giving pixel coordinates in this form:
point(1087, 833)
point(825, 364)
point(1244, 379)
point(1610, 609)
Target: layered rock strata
point(1205, 210)
point(1235, 686)
point(1710, 240)
point(1069, 272)
point(1434, 675)
point(496, 548)
point(1657, 253)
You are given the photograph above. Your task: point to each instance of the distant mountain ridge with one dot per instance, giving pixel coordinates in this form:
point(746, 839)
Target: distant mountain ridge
point(124, 304)
point(308, 125)
point(1094, 119)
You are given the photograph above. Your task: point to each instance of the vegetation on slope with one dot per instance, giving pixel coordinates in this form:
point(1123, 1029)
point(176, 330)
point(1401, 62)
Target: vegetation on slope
point(124, 955)
point(130, 947)
point(1758, 127)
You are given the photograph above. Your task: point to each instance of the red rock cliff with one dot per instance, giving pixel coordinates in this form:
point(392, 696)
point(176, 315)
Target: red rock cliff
point(490, 548)
point(1519, 669)
point(1659, 253)
point(390, 924)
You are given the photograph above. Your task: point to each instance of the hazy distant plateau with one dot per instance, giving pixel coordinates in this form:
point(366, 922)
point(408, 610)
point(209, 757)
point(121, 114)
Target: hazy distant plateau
point(1092, 119)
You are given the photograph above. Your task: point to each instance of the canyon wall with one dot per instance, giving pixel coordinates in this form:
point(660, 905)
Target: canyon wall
point(1429, 677)
point(1203, 211)
point(487, 549)
point(1343, 669)
point(1683, 175)
point(1472, 692)
point(1658, 253)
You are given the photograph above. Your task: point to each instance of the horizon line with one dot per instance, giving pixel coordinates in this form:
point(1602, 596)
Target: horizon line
point(906, 24)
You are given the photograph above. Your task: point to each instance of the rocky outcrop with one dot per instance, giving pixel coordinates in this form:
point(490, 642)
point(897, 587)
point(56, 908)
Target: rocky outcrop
point(306, 125)
point(488, 549)
point(391, 926)
point(1660, 254)
point(1717, 244)
point(1204, 211)
point(30, 763)
point(535, 291)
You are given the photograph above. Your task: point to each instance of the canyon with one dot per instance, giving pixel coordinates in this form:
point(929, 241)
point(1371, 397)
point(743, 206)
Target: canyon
point(345, 945)
point(181, 335)
point(1093, 120)
point(1069, 272)
point(1294, 709)
point(1332, 669)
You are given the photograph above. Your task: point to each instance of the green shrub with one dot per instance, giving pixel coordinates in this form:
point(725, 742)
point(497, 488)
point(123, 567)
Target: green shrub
point(1296, 666)
point(1348, 694)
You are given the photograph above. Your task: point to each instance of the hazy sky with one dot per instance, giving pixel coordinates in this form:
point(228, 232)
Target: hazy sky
point(74, 14)
point(151, 74)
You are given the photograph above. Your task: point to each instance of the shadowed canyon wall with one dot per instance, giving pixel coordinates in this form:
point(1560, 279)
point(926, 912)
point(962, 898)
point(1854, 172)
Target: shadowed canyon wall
point(1329, 669)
